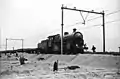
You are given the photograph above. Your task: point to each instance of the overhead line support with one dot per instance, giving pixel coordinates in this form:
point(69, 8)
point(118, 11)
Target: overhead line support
point(82, 10)
point(62, 32)
point(74, 9)
point(14, 39)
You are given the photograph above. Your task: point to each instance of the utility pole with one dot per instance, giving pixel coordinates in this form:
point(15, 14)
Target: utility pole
point(119, 49)
point(6, 44)
point(13, 48)
point(102, 13)
point(0, 38)
point(62, 31)
point(22, 44)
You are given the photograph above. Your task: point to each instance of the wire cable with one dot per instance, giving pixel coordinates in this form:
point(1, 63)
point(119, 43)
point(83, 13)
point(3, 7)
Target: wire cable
point(105, 15)
point(100, 24)
point(113, 12)
point(112, 21)
point(96, 18)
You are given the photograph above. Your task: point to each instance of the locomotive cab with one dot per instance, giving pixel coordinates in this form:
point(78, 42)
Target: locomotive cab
point(54, 43)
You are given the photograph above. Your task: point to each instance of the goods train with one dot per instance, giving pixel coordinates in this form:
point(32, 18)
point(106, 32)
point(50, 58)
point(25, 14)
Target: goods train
point(72, 43)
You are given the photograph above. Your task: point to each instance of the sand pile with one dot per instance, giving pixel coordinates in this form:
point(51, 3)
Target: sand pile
point(64, 58)
point(104, 61)
point(41, 69)
point(39, 57)
point(92, 60)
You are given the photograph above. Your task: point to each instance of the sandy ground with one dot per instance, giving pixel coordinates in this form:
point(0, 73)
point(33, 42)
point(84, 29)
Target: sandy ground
point(91, 67)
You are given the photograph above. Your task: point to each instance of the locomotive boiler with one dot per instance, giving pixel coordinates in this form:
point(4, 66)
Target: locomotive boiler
point(72, 43)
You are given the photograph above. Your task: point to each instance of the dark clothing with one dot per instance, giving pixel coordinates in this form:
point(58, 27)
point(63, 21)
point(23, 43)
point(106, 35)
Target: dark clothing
point(93, 48)
point(16, 54)
point(22, 60)
point(55, 67)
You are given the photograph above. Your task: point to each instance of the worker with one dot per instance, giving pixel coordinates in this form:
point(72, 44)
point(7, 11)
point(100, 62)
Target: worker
point(55, 66)
point(22, 60)
point(93, 48)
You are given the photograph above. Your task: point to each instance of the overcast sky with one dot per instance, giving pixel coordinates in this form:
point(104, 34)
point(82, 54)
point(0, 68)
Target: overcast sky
point(35, 20)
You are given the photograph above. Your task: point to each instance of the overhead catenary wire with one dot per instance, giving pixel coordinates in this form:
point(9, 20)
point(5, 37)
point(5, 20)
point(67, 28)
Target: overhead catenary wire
point(94, 18)
point(113, 12)
point(105, 15)
point(98, 25)
point(88, 27)
point(112, 21)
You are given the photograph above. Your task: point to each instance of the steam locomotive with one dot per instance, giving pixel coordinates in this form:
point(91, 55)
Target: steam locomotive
point(72, 43)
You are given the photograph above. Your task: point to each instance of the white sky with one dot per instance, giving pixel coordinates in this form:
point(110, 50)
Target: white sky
point(34, 20)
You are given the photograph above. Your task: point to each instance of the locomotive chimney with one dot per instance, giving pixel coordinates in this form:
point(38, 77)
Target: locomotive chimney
point(74, 30)
point(66, 33)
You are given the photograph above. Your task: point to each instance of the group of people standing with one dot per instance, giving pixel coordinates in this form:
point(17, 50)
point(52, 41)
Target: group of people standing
point(93, 48)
